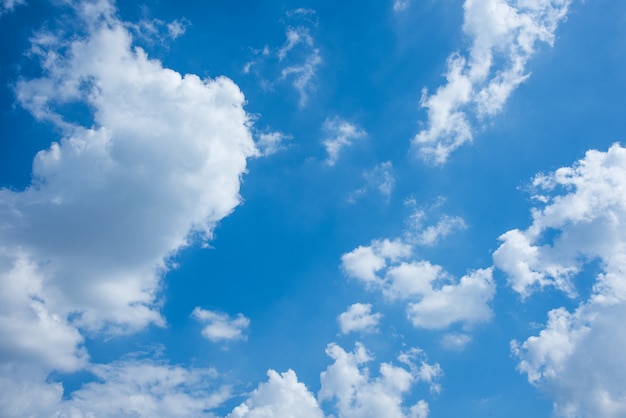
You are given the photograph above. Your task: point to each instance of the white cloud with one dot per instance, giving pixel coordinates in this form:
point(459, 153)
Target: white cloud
point(430, 235)
point(9, 5)
point(455, 341)
point(271, 142)
point(122, 389)
point(153, 168)
point(379, 178)
point(577, 358)
point(111, 202)
point(435, 299)
point(221, 327)
point(282, 396)
point(357, 394)
point(476, 88)
point(401, 5)
point(339, 134)
point(359, 317)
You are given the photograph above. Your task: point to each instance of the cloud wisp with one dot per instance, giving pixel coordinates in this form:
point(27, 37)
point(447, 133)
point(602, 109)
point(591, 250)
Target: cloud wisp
point(476, 86)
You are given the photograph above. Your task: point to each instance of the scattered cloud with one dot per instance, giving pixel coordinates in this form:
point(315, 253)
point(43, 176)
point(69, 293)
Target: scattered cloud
point(455, 341)
point(338, 135)
point(297, 60)
point(435, 300)
point(476, 87)
point(380, 178)
point(357, 394)
point(8, 5)
point(401, 5)
point(221, 327)
point(270, 143)
point(576, 358)
point(359, 318)
point(430, 235)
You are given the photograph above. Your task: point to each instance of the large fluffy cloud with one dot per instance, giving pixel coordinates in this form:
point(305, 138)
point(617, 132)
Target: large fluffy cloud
point(507, 30)
point(578, 357)
point(149, 161)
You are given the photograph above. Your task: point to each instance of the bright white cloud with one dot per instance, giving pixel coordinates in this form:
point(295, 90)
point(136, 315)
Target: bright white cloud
point(435, 299)
point(339, 134)
point(476, 87)
point(110, 203)
point(282, 396)
point(221, 327)
point(357, 394)
point(577, 358)
point(153, 165)
point(359, 318)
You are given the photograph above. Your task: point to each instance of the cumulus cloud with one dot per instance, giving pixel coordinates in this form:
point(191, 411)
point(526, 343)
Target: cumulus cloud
point(577, 357)
point(151, 166)
point(434, 298)
point(359, 317)
point(476, 87)
point(357, 394)
point(347, 387)
point(455, 341)
point(221, 327)
point(160, 162)
point(271, 142)
point(430, 235)
point(282, 396)
point(338, 135)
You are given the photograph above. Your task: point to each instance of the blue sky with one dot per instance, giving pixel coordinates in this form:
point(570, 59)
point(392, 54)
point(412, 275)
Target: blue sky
point(308, 209)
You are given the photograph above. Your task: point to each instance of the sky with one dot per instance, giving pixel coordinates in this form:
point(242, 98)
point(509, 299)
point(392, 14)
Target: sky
point(312, 209)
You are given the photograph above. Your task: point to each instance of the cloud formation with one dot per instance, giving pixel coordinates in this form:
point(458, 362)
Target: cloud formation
point(359, 318)
point(476, 87)
point(338, 135)
point(435, 299)
point(576, 358)
point(221, 327)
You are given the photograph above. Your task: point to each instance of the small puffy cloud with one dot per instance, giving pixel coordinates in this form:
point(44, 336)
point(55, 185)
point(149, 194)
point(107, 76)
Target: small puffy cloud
point(357, 394)
point(221, 327)
point(359, 317)
point(271, 142)
point(339, 134)
point(282, 396)
point(475, 87)
point(577, 358)
point(435, 300)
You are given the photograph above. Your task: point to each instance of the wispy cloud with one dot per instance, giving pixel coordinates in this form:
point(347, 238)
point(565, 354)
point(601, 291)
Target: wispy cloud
point(339, 134)
point(476, 87)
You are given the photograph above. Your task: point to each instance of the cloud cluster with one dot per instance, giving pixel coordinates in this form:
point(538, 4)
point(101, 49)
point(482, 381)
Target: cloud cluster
point(435, 300)
point(577, 358)
point(346, 384)
point(359, 318)
point(476, 87)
